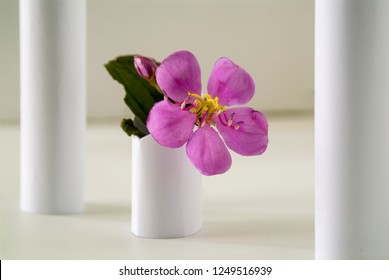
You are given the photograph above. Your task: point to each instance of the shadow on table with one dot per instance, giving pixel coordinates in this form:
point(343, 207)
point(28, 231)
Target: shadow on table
point(281, 231)
point(105, 211)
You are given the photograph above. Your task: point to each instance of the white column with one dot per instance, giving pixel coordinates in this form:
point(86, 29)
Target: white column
point(166, 191)
point(52, 61)
point(352, 129)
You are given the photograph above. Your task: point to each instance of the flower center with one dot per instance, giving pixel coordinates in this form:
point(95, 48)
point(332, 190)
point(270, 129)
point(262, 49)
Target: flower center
point(206, 108)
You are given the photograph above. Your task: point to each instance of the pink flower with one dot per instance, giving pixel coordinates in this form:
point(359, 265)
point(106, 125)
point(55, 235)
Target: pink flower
point(172, 124)
point(145, 66)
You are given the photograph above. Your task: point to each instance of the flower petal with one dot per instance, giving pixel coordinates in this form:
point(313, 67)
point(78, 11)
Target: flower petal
point(179, 74)
point(232, 84)
point(169, 125)
point(247, 133)
point(208, 152)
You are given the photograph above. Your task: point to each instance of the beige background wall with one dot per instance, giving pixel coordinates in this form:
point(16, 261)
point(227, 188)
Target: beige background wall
point(272, 39)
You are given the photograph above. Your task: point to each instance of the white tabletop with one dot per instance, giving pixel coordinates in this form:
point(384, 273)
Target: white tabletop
point(263, 208)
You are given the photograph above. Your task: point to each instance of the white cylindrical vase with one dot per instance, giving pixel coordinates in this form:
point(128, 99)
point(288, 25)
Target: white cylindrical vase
point(166, 191)
point(53, 87)
point(352, 129)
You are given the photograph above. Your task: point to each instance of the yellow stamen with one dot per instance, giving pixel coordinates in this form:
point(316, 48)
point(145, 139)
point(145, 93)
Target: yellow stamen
point(195, 96)
point(206, 107)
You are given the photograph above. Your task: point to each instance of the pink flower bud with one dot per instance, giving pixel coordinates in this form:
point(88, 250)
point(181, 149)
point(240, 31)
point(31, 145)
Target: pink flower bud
point(145, 67)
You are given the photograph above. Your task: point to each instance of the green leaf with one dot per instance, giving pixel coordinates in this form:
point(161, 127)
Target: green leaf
point(129, 127)
point(139, 125)
point(140, 95)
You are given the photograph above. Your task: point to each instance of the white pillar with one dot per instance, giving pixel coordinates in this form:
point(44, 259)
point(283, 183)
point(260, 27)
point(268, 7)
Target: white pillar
point(166, 191)
point(52, 78)
point(352, 129)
